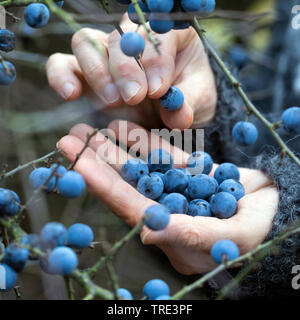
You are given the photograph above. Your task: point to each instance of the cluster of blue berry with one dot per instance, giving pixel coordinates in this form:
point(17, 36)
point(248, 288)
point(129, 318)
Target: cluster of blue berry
point(189, 190)
point(36, 15)
point(68, 183)
point(53, 249)
point(161, 13)
point(59, 259)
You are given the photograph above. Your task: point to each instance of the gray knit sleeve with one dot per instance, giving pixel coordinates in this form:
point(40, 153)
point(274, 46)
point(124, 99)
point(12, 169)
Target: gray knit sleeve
point(273, 276)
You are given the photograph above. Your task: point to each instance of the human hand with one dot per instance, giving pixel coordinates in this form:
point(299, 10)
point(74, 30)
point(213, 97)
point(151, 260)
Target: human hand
point(187, 240)
point(114, 81)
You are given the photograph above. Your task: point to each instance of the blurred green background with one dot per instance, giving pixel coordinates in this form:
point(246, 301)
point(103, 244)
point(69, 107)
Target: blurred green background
point(33, 118)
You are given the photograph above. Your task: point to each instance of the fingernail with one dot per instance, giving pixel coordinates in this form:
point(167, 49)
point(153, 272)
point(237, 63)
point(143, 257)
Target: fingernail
point(154, 82)
point(111, 93)
point(129, 90)
point(67, 90)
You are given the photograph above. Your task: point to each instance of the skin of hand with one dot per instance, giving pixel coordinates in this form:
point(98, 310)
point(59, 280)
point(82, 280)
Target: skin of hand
point(116, 84)
point(187, 240)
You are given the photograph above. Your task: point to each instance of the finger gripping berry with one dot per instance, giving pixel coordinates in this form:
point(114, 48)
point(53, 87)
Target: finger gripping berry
point(132, 44)
point(173, 100)
point(7, 40)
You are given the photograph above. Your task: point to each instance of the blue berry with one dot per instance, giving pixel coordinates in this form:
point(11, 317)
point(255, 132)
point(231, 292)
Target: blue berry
point(133, 170)
point(16, 257)
point(59, 169)
point(199, 207)
point(157, 217)
point(238, 56)
point(224, 249)
point(7, 40)
point(9, 202)
point(187, 195)
point(8, 74)
point(37, 15)
point(227, 171)
point(163, 298)
point(199, 162)
point(160, 174)
point(173, 100)
point(223, 205)
point(176, 203)
point(151, 187)
point(11, 277)
point(80, 236)
point(132, 44)
point(32, 240)
point(196, 5)
point(155, 288)
point(132, 13)
point(71, 184)
point(39, 176)
point(160, 160)
point(245, 133)
point(291, 120)
point(60, 3)
point(234, 187)
point(176, 180)
point(124, 294)
point(160, 24)
point(162, 198)
point(210, 6)
point(160, 6)
point(54, 234)
point(63, 261)
point(202, 186)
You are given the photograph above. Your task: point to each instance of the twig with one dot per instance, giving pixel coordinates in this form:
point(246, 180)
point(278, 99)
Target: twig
point(262, 250)
point(24, 166)
point(117, 246)
point(70, 288)
point(86, 145)
point(285, 150)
